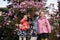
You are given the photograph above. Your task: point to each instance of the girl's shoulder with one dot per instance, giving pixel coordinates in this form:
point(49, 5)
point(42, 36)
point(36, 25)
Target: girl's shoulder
point(42, 19)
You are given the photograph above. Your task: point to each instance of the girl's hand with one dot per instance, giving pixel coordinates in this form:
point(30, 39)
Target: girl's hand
point(25, 17)
point(20, 25)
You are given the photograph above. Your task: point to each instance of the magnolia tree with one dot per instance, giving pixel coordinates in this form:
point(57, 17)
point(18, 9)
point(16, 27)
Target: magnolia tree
point(55, 23)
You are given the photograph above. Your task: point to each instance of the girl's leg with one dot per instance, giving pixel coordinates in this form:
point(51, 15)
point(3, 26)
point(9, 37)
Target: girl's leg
point(46, 38)
point(20, 38)
point(42, 39)
point(33, 38)
point(24, 38)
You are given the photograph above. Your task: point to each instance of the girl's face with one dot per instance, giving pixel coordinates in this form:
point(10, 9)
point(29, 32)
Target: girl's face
point(28, 15)
point(37, 13)
point(25, 16)
point(42, 14)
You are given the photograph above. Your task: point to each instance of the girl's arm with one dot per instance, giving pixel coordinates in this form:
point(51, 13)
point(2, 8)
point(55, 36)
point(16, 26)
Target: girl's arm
point(48, 26)
point(22, 20)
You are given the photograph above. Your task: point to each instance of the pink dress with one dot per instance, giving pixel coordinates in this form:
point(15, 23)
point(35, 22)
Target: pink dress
point(43, 26)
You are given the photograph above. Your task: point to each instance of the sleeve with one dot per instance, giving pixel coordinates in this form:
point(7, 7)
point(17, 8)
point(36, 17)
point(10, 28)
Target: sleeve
point(22, 20)
point(48, 26)
point(28, 26)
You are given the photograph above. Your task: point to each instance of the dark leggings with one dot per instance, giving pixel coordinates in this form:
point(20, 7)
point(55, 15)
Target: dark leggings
point(38, 38)
point(42, 36)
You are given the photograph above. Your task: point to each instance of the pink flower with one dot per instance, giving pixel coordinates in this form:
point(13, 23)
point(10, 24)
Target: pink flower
point(17, 25)
point(7, 23)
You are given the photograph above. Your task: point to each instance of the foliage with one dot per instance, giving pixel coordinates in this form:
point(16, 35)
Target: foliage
point(11, 16)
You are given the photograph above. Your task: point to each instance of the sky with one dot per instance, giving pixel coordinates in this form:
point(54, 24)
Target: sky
point(4, 3)
point(54, 2)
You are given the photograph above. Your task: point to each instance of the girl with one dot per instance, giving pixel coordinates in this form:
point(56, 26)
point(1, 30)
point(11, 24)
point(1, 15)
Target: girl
point(44, 27)
point(30, 22)
point(35, 26)
point(24, 26)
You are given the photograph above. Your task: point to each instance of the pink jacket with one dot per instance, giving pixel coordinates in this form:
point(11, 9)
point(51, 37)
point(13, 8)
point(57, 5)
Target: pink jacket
point(43, 26)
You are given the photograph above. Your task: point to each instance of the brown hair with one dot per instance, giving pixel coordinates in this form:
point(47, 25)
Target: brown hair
point(31, 15)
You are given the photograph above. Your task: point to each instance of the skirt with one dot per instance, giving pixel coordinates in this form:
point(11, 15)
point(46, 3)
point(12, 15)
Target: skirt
point(22, 33)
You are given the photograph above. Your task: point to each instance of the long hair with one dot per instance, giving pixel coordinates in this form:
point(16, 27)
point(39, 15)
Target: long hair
point(31, 15)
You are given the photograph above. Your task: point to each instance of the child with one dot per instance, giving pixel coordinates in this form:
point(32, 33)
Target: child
point(30, 22)
point(24, 26)
point(44, 27)
point(35, 27)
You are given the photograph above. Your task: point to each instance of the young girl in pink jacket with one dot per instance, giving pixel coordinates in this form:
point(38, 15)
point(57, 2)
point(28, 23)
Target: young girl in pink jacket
point(44, 27)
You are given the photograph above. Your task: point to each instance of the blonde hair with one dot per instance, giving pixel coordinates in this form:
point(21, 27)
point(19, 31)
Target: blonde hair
point(41, 12)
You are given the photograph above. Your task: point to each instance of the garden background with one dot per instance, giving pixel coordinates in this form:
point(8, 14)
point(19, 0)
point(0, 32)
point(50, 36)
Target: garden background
point(10, 17)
